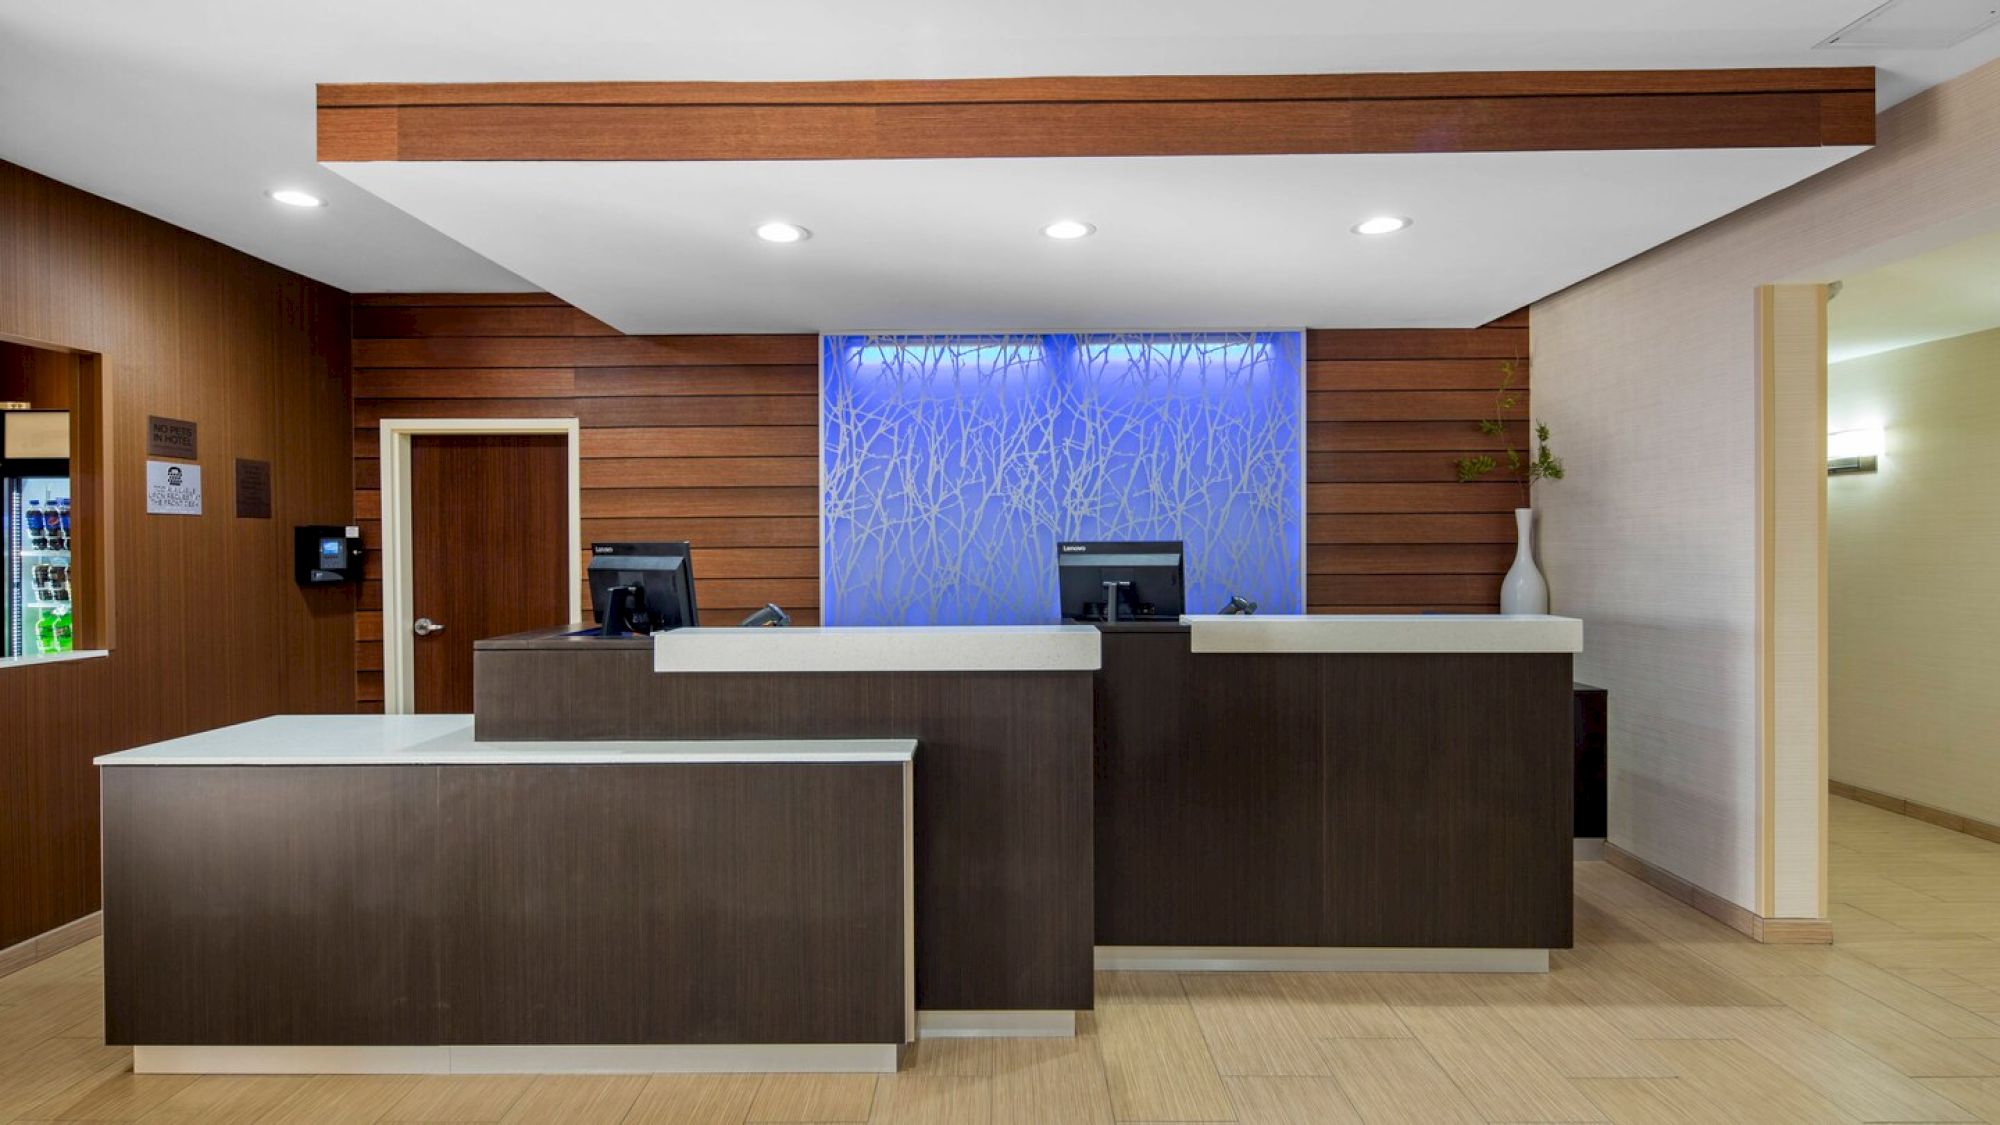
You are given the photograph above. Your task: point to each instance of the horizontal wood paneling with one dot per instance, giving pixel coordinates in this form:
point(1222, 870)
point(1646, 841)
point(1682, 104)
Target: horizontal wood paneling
point(1144, 116)
point(712, 439)
point(209, 627)
point(700, 472)
point(586, 351)
point(703, 441)
point(715, 440)
point(1389, 412)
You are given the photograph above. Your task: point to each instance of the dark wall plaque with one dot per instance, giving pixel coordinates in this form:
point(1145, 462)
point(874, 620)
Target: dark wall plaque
point(253, 489)
point(169, 437)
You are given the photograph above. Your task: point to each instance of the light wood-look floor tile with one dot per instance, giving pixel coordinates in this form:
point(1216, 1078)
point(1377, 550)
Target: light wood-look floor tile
point(1978, 1095)
point(1748, 1087)
point(113, 1095)
point(341, 1099)
point(1156, 1061)
point(224, 1099)
point(1290, 1100)
point(1862, 1085)
point(1050, 1081)
point(459, 1098)
point(924, 1099)
point(585, 1099)
point(1652, 1101)
point(1889, 1035)
point(694, 1099)
point(1396, 1082)
point(814, 1097)
point(1493, 1065)
point(1572, 1036)
point(1251, 1025)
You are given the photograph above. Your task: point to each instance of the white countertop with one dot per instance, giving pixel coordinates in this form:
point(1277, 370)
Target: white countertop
point(1384, 633)
point(940, 648)
point(446, 740)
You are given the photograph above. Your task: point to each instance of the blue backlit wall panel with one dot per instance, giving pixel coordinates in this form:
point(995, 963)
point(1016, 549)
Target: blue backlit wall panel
point(952, 465)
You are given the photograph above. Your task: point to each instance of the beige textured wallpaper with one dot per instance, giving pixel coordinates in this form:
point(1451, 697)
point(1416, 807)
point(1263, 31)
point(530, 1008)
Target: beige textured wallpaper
point(1648, 374)
point(1914, 598)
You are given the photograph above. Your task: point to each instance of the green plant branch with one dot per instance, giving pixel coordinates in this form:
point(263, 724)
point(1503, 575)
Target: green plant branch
point(1543, 465)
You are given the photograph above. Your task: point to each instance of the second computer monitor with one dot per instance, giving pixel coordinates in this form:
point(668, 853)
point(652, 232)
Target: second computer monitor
point(1132, 581)
point(642, 587)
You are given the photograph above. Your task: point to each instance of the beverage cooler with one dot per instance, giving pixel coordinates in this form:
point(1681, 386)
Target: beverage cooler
point(35, 533)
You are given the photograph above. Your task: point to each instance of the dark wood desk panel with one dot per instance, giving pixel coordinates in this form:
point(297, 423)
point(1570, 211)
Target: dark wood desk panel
point(1350, 800)
point(1208, 795)
point(1447, 791)
point(720, 903)
point(287, 907)
point(518, 904)
point(1003, 789)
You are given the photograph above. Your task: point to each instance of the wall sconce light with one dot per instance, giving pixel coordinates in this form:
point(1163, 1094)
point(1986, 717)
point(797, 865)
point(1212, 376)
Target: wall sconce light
point(1853, 451)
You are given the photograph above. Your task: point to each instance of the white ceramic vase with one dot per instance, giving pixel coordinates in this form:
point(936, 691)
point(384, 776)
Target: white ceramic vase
point(1524, 590)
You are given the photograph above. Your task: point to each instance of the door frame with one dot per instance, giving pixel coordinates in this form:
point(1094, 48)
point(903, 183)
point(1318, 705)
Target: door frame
point(399, 669)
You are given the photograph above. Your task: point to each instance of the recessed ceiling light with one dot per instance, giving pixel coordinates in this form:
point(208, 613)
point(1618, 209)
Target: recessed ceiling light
point(292, 197)
point(1381, 224)
point(783, 232)
point(1068, 229)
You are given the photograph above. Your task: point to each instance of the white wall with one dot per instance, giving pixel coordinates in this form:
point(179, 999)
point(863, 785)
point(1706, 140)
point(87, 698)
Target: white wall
point(1915, 592)
point(1648, 375)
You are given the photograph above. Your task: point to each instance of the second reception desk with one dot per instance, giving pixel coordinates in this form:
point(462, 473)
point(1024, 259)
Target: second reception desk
point(1002, 791)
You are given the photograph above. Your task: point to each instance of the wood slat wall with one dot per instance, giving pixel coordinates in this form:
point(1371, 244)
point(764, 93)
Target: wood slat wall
point(210, 629)
point(714, 439)
point(1389, 411)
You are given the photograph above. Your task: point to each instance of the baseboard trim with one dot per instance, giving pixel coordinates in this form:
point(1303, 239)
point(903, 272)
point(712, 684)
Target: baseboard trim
point(1771, 931)
point(43, 946)
point(843, 1058)
point(1916, 810)
point(1313, 959)
point(948, 1024)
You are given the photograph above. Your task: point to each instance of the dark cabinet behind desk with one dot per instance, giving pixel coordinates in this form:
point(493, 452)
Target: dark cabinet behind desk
point(1002, 788)
point(1343, 800)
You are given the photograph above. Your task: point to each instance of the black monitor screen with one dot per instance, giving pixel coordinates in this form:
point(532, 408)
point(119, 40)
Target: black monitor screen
point(651, 585)
point(1138, 581)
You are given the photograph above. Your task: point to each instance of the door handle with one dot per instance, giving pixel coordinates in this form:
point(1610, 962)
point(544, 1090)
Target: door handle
point(425, 627)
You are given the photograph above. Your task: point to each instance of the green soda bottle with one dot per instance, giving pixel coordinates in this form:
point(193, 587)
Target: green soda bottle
point(45, 631)
point(65, 634)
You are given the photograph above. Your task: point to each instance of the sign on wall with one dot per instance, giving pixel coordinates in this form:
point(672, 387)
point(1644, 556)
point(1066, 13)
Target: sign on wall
point(173, 490)
point(170, 437)
point(253, 489)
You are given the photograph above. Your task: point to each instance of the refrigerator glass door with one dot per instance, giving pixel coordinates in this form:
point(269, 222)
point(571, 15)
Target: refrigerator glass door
point(39, 591)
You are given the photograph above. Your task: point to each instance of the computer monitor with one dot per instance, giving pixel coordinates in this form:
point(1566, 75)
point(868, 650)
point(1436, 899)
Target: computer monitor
point(641, 587)
point(1120, 581)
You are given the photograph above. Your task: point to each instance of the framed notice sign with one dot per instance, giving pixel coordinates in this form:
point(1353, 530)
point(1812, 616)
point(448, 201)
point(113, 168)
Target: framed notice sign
point(253, 489)
point(173, 490)
point(170, 437)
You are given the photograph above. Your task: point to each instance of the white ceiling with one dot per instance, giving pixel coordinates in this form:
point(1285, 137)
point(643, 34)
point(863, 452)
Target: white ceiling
point(191, 109)
point(1933, 296)
point(1181, 242)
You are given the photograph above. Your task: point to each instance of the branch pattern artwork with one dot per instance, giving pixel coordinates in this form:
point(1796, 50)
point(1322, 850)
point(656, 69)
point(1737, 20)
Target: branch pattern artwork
point(951, 466)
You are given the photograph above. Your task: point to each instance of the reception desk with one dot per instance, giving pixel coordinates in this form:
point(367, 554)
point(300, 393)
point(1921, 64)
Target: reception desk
point(381, 893)
point(1334, 792)
point(1002, 716)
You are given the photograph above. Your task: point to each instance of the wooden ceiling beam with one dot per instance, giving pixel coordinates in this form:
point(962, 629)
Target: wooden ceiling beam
point(1142, 116)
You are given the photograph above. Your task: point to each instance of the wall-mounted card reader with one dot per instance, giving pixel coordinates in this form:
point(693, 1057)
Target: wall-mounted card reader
point(326, 554)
